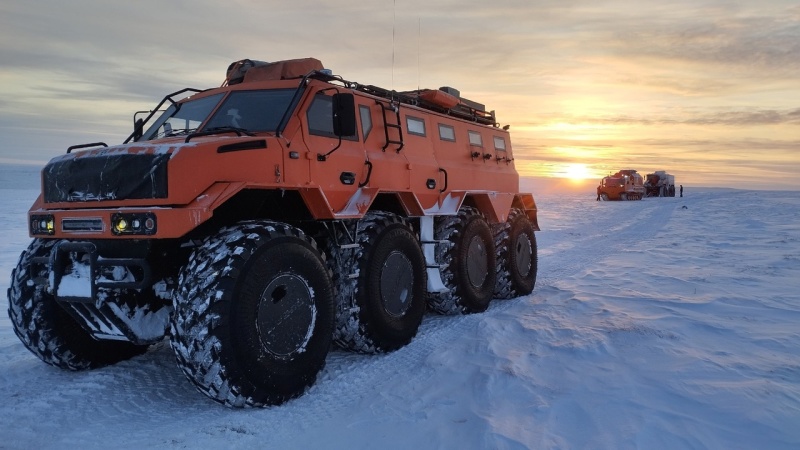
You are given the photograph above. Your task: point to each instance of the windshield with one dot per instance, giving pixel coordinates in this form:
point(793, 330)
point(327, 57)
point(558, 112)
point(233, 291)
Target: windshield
point(246, 110)
point(182, 118)
point(252, 110)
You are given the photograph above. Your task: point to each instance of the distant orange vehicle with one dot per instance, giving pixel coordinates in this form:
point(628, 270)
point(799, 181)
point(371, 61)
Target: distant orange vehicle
point(260, 221)
point(626, 184)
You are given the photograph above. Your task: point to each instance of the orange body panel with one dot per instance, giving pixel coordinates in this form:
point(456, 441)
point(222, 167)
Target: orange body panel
point(444, 161)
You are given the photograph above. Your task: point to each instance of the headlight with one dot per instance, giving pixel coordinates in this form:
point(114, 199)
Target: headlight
point(133, 224)
point(43, 225)
point(121, 225)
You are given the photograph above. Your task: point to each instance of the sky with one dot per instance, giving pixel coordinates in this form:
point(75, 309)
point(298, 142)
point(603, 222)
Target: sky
point(708, 90)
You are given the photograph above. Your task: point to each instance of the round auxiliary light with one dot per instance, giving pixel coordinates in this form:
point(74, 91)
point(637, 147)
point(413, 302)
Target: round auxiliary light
point(51, 225)
point(149, 223)
point(122, 225)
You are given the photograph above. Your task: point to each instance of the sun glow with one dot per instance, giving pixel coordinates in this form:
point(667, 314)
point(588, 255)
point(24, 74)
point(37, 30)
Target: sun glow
point(577, 172)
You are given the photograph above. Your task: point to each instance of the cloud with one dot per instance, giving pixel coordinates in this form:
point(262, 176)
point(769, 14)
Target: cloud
point(728, 36)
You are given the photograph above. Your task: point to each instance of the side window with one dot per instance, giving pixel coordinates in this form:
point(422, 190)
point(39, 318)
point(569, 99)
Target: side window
point(415, 126)
point(475, 139)
point(447, 133)
point(366, 120)
point(320, 117)
point(499, 144)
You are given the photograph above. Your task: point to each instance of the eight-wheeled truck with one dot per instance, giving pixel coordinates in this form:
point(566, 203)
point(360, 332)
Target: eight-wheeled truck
point(659, 184)
point(626, 184)
point(258, 222)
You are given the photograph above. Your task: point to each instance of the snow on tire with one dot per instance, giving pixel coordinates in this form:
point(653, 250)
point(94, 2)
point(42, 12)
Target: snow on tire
point(517, 261)
point(468, 263)
point(253, 315)
point(381, 284)
point(46, 329)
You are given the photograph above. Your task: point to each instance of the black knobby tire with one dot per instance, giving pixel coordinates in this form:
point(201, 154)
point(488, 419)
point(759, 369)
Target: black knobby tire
point(47, 330)
point(517, 259)
point(468, 263)
point(253, 315)
point(381, 284)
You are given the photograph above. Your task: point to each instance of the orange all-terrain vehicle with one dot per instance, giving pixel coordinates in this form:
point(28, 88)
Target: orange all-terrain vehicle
point(626, 184)
point(258, 222)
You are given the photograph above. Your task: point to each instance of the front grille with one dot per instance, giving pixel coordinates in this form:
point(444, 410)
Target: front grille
point(101, 177)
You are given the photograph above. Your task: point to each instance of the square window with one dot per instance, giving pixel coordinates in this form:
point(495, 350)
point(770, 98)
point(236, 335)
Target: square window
point(499, 143)
point(415, 126)
point(475, 139)
point(447, 133)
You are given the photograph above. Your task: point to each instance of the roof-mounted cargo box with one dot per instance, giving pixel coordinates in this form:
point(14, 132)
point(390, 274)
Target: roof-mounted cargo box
point(248, 70)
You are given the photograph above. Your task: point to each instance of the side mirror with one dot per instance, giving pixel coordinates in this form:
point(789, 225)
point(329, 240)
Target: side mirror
point(138, 129)
point(344, 115)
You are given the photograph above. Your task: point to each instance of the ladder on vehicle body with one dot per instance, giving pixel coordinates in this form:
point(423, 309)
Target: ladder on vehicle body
point(386, 125)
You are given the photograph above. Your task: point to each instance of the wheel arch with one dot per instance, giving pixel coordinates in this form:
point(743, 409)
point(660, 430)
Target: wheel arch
point(526, 203)
point(255, 204)
point(496, 206)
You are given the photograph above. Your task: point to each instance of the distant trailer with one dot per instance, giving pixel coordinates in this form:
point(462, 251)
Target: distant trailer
point(659, 184)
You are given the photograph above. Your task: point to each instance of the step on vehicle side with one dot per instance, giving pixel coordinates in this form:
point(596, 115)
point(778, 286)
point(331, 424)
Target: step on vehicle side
point(259, 222)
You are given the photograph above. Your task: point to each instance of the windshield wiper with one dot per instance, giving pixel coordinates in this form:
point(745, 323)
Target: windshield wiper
point(179, 131)
point(236, 130)
point(219, 130)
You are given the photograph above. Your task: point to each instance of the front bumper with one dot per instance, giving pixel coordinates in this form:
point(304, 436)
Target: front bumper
point(118, 308)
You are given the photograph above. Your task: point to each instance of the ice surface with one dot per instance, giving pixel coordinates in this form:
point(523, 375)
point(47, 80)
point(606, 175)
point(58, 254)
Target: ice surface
point(651, 326)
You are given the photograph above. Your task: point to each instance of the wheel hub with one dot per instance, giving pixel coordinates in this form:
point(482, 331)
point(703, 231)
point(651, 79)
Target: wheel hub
point(522, 254)
point(286, 315)
point(477, 265)
point(397, 284)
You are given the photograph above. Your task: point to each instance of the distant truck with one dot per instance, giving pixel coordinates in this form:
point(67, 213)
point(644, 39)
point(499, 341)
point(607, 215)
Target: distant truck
point(659, 184)
point(626, 184)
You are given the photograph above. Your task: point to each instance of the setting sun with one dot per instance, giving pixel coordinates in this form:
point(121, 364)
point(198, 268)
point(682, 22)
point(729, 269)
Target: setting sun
point(577, 172)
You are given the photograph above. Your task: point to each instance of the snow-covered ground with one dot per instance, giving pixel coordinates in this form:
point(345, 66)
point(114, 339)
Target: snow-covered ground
point(665, 323)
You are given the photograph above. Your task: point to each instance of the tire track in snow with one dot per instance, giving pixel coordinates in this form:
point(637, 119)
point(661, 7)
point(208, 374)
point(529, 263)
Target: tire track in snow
point(569, 251)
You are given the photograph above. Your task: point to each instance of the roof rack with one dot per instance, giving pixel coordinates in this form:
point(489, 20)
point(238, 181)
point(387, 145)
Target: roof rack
point(464, 109)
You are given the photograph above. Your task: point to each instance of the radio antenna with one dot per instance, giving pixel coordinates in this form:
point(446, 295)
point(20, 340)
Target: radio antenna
point(419, 34)
point(394, 21)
